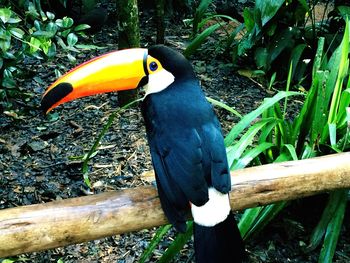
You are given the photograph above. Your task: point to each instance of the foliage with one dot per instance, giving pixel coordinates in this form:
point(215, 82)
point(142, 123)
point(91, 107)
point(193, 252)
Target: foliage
point(274, 31)
point(38, 35)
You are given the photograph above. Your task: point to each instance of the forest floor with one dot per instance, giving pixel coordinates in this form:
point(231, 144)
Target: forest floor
point(38, 158)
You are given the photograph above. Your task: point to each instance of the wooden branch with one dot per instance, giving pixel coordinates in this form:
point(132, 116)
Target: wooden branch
point(60, 223)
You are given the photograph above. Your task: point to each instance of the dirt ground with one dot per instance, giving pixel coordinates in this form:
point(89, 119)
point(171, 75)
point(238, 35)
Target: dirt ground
point(39, 158)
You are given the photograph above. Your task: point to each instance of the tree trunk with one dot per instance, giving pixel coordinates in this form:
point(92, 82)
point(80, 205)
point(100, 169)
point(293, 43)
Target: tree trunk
point(128, 37)
point(160, 21)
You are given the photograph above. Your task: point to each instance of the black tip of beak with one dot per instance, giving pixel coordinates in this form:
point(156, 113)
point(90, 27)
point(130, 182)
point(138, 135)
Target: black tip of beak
point(55, 95)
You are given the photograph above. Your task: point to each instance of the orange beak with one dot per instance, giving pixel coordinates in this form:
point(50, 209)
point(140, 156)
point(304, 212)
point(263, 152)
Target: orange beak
point(115, 71)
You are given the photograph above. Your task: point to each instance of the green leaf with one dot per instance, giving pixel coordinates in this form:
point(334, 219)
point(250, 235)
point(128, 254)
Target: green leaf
point(179, 242)
point(247, 220)
point(5, 14)
point(82, 27)
point(247, 119)
point(72, 39)
point(34, 45)
point(328, 213)
point(296, 56)
point(88, 47)
point(198, 16)
point(250, 155)
point(71, 59)
point(67, 22)
point(32, 10)
point(5, 40)
point(51, 53)
point(198, 41)
point(43, 34)
point(268, 213)
point(50, 15)
point(105, 128)
point(154, 243)
point(344, 11)
point(235, 151)
point(17, 32)
point(248, 17)
point(268, 9)
point(261, 56)
point(224, 106)
point(333, 230)
point(52, 28)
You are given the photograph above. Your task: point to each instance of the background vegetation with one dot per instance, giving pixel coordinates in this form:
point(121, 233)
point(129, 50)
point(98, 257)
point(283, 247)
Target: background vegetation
point(281, 44)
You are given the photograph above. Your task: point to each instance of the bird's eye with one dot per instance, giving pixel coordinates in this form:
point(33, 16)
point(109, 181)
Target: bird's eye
point(153, 66)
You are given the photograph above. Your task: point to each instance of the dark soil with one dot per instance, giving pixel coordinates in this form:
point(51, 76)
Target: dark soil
point(39, 158)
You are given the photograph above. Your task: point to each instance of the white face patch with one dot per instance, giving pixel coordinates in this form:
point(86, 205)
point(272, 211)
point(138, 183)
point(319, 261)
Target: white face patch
point(214, 211)
point(158, 81)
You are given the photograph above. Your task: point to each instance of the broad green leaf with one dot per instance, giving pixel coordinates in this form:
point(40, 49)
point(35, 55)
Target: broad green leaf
point(247, 220)
point(67, 22)
point(5, 14)
point(14, 20)
point(247, 119)
point(52, 51)
point(50, 15)
point(199, 39)
point(81, 27)
point(52, 28)
point(6, 43)
point(43, 34)
point(72, 39)
point(17, 32)
point(248, 17)
point(71, 59)
point(268, 9)
point(261, 57)
point(344, 11)
point(34, 45)
point(280, 42)
point(37, 25)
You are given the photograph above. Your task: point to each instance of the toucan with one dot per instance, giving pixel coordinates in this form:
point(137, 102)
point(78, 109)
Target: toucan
point(184, 135)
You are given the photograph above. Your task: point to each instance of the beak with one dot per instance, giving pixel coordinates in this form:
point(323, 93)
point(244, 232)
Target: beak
point(115, 71)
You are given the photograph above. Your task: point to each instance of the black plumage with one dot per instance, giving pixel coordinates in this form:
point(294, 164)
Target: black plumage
point(188, 154)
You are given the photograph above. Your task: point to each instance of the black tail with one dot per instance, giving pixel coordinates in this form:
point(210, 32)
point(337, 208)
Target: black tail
point(219, 244)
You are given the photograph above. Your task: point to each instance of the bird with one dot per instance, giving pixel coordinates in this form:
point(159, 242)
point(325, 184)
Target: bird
point(184, 135)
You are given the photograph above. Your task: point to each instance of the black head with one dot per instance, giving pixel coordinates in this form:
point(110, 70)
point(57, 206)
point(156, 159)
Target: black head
point(172, 61)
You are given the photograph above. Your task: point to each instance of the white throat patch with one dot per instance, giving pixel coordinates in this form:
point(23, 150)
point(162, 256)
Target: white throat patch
point(212, 212)
point(158, 81)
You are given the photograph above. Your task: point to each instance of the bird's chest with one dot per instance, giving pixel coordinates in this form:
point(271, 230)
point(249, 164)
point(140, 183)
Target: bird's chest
point(171, 111)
